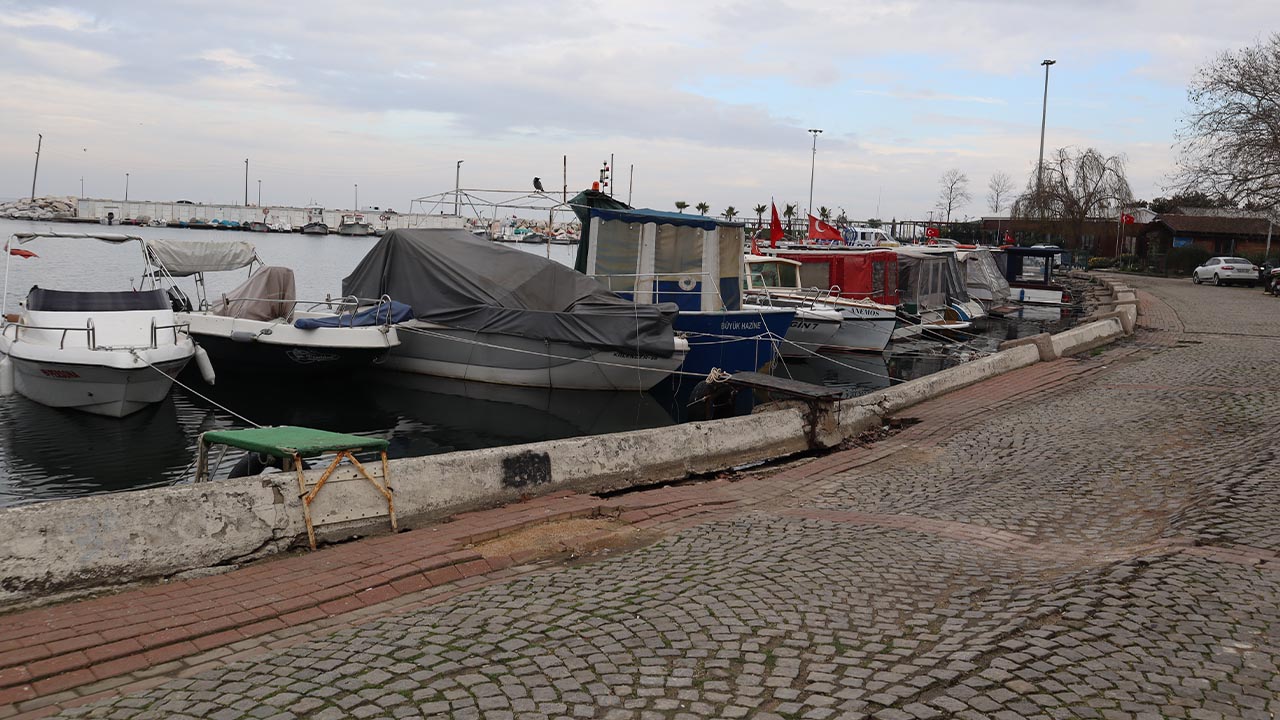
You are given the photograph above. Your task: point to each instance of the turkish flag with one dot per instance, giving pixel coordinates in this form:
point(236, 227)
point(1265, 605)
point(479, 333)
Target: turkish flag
point(775, 227)
point(1008, 239)
point(22, 253)
point(819, 230)
point(931, 232)
point(755, 248)
point(1126, 218)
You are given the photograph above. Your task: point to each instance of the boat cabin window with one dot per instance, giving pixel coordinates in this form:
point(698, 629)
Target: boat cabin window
point(617, 255)
point(816, 275)
point(877, 278)
point(773, 275)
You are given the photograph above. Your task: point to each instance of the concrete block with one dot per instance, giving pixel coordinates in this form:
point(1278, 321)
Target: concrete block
point(1126, 314)
point(109, 539)
point(905, 395)
point(1043, 342)
point(1086, 337)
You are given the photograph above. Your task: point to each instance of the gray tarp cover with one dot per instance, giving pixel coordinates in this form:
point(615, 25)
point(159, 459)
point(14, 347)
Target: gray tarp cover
point(267, 295)
point(453, 278)
point(188, 257)
point(982, 273)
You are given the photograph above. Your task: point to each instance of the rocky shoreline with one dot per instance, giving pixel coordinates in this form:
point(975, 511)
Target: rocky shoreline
point(41, 208)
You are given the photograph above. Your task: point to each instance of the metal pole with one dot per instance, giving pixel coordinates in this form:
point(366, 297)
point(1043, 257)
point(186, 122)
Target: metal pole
point(457, 188)
point(611, 168)
point(1044, 109)
point(246, 182)
point(81, 186)
point(259, 193)
point(36, 171)
point(357, 198)
point(126, 187)
point(565, 179)
point(1267, 254)
point(812, 164)
point(631, 181)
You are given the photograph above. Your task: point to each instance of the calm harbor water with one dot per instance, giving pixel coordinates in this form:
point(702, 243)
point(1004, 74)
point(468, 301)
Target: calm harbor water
point(51, 454)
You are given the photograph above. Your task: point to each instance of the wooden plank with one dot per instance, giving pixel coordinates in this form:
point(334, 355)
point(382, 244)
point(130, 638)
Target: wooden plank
point(785, 386)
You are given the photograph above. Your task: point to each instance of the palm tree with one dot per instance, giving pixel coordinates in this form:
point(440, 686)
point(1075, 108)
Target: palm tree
point(760, 214)
point(730, 212)
point(681, 205)
point(789, 212)
point(703, 208)
point(824, 213)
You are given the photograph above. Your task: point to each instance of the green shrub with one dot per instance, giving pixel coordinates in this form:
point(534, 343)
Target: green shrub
point(1182, 260)
point(1098, 263)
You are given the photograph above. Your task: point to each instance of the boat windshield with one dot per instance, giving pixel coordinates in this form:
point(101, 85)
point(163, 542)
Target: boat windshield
point(774, 275)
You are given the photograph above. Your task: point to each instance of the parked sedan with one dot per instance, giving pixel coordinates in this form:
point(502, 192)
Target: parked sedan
point(1225, 271)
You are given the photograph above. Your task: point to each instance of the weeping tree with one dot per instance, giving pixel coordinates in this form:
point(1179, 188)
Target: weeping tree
point(1230, 137)
point(1076, 185)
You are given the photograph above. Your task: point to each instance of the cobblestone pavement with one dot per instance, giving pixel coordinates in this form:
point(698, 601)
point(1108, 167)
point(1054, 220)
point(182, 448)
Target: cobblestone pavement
point(1104, 549)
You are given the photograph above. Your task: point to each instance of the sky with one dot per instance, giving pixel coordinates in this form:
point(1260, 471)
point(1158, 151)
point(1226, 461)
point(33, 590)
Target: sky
point(709, 101)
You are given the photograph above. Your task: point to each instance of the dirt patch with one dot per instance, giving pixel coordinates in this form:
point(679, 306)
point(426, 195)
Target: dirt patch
point(576, 539)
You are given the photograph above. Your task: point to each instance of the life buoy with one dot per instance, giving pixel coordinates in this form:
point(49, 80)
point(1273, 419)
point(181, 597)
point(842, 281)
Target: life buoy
point(384, 217)
point(687, 282)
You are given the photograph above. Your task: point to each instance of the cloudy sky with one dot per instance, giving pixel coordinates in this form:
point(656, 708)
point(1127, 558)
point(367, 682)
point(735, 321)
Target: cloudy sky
point(710, 100)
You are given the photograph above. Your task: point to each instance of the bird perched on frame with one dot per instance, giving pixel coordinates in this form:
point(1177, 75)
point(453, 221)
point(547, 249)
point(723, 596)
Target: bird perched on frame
point(537, 184)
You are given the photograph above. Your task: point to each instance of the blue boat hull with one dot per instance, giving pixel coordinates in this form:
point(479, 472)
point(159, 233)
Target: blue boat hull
point(734, 341)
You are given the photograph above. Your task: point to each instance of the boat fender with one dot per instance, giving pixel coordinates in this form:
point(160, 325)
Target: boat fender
point(205, 366)
point(243, 336)
point(6, 376)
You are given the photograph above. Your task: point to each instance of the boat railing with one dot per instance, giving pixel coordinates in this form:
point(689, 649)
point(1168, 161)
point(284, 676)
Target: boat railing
point(175, 328)
point(346, 306)
point(91, 333)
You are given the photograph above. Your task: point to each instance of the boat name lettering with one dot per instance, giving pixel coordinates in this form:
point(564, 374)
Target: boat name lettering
point(740, 326)
point(65, 374)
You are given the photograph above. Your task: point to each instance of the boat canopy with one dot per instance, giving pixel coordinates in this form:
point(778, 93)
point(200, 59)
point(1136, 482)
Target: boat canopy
point(181, 258)
point(856, 274)
point(654, 256)
point(267, 295)
point(453, 278)
point(1016, 266)
point(581, 205)
point(982, 276)
point(922, 278)
point(26, 237)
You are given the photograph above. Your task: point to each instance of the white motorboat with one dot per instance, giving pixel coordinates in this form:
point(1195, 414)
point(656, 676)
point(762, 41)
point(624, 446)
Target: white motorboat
point(260, 326)
point(483, 311)
point(353, 224)
point(106, 353)
point(865, 325)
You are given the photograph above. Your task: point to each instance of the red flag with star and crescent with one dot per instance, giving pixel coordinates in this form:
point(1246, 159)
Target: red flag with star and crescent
point(775, 227)
point(819, 230)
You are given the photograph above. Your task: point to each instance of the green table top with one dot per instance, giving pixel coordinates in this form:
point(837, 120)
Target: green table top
point(286, 440)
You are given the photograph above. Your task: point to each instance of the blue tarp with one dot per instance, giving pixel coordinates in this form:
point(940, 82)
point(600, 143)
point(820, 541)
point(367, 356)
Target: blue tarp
point(645, 215)
point(393, 312)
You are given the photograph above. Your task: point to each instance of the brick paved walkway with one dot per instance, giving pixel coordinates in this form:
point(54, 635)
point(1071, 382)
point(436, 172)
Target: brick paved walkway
point(1093, 537)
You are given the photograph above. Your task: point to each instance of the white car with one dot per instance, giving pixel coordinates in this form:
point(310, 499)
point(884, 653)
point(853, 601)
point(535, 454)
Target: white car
point(1225, 271)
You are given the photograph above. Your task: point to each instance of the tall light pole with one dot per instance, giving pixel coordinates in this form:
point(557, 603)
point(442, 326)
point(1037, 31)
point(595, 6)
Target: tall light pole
point(1044, 108)
point(357, 206)
point(259, 193)
point(246, 182)
point(457, 186)
point(81, 186)
point(126, 187)
point(812, 163)
point(36, 170)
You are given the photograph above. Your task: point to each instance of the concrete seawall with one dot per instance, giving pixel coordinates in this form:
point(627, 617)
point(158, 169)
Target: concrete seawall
point(97, 541)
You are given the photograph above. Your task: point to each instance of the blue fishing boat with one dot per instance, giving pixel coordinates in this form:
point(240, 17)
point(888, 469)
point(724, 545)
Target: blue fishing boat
point(694, 261)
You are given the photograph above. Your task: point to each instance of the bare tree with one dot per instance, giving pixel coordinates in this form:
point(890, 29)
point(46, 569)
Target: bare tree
point(1230, 138)
point(953, 193)
point(1078, 185)
point(999, 191)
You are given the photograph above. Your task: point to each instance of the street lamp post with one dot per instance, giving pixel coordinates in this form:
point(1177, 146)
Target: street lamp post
point(126, 187)
point(357, 200)
point(457, 187)
point(1044, 108)
point(259, 193)
point(812, 163)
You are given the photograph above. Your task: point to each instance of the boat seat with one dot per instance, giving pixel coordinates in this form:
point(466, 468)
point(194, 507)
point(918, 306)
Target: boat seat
point(40, 299)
